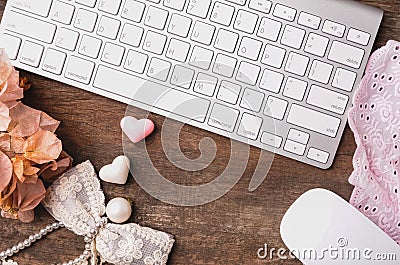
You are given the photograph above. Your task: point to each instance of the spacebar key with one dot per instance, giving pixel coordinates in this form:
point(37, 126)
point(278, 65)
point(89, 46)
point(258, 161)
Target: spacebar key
point(151, 93)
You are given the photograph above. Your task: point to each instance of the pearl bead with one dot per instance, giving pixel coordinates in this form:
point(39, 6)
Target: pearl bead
point(119, 210)
point(93, 232)
point(27, 243)
point(87, 239)
point(37, 236)
point(2, 255)
point(8, 252)
point(14, 249)
point(88, 247)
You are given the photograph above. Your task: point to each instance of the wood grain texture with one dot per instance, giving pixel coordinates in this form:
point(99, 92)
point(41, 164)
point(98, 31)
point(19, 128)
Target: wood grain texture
point(227, 231)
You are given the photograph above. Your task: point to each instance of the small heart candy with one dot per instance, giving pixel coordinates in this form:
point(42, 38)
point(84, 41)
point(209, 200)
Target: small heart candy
point(117, 172)
point(135, 129)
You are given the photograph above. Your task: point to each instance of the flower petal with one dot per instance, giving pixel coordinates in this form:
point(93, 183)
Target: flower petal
point(25, 120)
point(5, 171)
point(42, 147)
point(5, 118)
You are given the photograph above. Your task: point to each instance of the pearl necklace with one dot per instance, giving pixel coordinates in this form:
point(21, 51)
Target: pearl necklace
point(82, 259)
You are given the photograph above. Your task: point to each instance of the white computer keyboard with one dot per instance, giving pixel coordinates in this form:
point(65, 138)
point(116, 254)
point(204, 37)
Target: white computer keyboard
point(278, 75)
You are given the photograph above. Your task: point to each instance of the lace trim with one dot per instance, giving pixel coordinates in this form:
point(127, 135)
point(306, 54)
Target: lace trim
point(375, 121)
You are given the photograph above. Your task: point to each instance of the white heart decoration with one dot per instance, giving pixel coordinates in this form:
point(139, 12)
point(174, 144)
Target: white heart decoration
point(135, 129)
point(117, 172)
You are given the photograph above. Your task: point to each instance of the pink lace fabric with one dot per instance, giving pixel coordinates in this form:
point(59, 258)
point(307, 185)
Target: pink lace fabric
point(375, 121)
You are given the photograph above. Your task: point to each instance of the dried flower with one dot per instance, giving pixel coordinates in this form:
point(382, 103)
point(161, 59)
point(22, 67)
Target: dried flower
point(29, 148)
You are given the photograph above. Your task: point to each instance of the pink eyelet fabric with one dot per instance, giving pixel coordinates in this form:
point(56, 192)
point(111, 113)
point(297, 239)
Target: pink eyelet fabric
point(375, 121)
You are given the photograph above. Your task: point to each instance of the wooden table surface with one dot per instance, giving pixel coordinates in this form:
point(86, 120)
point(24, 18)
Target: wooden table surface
point(227, 231)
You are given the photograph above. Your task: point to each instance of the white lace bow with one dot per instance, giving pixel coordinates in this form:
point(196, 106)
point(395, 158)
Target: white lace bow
point(77, 201)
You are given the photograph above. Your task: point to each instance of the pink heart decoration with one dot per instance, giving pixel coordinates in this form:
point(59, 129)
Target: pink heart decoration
point(135, 129)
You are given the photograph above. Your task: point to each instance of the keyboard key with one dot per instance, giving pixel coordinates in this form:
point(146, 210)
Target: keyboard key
point(224, 65)
point(293, 37)
point(31, 54)
point(358, 36)
point(198, 8)
point(320, 72)
point(327, 99)
point(182, 77)
point(27, 26)
point(113, 54)
point(252, 100)
point(316, 44)
point(229, 92)
point(135, 61)
point(79, 70)
point(346, 54)
point(313, 120)
point(85, 20)
point(175, 4)
point(238, 2)
point(131, 35)
point(89, 3)
point(271, 81)
point(222, 14)
point(226, 40)
point(205, 84)
point(295, 88)
point(62, 12)
point(223, 117)
point(245, 21)
point(285, 12)
point(201, 57)
point(297, 64)
point(156, 18)
point(275, 108)
point(179, 25)
point(133, 10)
point(263, 6)
point(250, 126)
point(298, 136)
point(309, 20)
point(110, 6)
point(248, 73)
point(54, 61)
point(158, 69)
point(273, 56)
point(344, 79)
point(154, 42)
point(149, 92)
point(202, 33)
point(40, 8)
point(333, 28)
point(294, 147)
point(177, 50)
point(318, 155)
point(67, 39)
point(250, 48)
point(269, 29)
point(271, 140)
point(108, 27)
point(90, 46)
point(11, 44)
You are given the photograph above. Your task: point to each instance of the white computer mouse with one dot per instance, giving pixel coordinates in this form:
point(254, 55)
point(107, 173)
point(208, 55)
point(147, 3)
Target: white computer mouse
point(322, 228)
